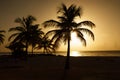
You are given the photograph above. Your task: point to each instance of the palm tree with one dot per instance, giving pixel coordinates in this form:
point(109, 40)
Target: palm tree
point(2, 36)
point(24, 32)
point(36, 36)
point(66, 25)
point(46, 45)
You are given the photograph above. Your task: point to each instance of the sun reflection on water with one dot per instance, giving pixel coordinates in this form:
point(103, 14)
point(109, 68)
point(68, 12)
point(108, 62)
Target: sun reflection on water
point(75, 54)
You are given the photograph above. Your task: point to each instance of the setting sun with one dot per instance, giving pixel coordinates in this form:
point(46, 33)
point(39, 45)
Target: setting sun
point(75, 54)
point(75, 42)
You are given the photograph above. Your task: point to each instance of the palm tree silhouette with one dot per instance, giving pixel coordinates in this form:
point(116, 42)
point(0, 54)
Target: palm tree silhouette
point(36, 36)
point(46, 45)
point(24, 32)
point(66, 25)
point(2, 36)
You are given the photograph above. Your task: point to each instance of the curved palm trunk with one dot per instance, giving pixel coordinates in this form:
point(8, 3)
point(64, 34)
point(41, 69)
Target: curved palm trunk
point(67, 64)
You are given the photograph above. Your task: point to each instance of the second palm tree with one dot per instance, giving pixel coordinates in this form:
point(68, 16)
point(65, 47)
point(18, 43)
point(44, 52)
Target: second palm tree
point(27, 32)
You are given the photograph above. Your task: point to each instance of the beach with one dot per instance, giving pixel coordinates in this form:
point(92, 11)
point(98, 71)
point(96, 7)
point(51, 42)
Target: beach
point(43, 67)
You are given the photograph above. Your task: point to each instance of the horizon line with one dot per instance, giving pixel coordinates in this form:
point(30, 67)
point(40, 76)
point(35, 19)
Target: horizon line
point(66, 51)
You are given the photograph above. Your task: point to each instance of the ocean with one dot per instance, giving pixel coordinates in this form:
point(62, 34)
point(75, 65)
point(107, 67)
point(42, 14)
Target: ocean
point(79, 53)
point(91, 53)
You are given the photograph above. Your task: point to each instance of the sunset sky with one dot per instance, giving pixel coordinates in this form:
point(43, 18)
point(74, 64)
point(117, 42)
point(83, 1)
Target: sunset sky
point(104, 13)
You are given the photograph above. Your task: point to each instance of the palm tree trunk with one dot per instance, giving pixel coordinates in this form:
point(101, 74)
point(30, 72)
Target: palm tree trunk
point(67, 64)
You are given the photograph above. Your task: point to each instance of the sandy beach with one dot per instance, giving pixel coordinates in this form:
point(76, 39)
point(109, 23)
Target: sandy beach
point(52, 68)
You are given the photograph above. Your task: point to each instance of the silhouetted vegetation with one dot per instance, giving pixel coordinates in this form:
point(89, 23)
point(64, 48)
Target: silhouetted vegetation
point(36, 37)
point(66, 25)
point(27, 32)
point(47, 45)
point(17, 48)
point(2, 36)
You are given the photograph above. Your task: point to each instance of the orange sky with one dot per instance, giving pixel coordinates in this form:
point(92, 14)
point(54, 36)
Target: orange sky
point(104, 13)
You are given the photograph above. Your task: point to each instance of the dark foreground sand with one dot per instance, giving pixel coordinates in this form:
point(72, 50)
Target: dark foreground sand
point(52, 68)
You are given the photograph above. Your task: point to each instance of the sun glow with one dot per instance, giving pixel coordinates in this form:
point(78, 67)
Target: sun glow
point(74, 38)
point(75, 42)
point(75, 53)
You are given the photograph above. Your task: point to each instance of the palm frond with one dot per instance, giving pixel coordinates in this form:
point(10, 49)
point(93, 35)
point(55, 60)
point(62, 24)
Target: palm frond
point(2, 31)
point(51, 48)
point(1, 40)
point(20, 21)
point(12, 36)
point(20, 38)
point(1, 35)
point(30, 19)
point(21, 29)
point(57, 41)
point(62, 9)
point(82, 39)
point(87, 23)
point(51, 23)
point(89, 32)
point(62, 19)
point(56, 38)
point(78, 32)
point(51, 32)
point(78, 12)
point(60, 35)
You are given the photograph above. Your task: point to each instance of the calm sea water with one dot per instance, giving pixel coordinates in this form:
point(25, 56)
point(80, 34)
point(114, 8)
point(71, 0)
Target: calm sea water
point(91, 53)
point(81, 53)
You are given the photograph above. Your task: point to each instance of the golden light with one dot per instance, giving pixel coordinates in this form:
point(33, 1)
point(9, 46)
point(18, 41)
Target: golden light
point(75, 54)
point(75, 42)
point(74, 39)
